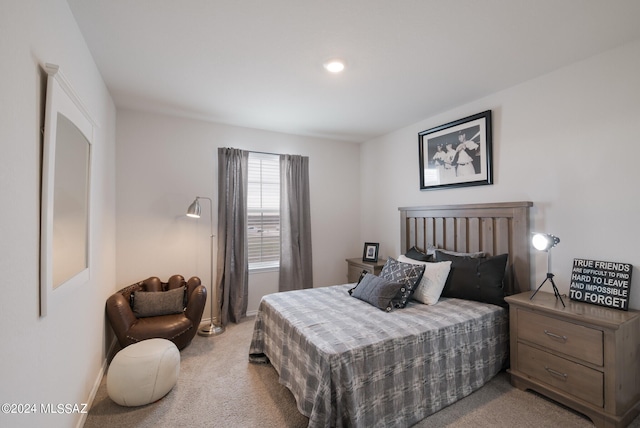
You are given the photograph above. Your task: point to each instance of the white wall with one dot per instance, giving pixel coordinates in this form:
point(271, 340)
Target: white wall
point(58, 358)
point(164, 162)
point(566, 141)
point(576, 125)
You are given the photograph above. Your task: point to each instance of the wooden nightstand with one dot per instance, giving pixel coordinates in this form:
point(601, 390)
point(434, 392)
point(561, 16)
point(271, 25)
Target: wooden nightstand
point(356, 266)
point(584, 356)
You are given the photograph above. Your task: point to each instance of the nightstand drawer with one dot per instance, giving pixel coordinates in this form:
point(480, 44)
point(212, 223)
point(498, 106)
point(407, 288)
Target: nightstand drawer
point(571, 339)
point(572, 378)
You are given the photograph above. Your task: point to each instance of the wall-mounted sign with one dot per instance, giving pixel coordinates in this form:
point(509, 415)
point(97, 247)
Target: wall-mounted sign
point(601, 283)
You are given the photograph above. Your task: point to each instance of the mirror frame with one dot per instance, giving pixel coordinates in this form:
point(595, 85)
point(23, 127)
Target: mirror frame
point(61, 99)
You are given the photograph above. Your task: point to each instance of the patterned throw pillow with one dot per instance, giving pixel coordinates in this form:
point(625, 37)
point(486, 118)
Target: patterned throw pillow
point(404, 273)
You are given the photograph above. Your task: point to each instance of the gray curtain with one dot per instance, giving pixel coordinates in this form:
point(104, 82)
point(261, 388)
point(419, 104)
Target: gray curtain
point(233, 265)
point(295, 224)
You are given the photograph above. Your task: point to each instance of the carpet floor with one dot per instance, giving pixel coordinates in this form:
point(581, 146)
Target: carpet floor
point(218, 387)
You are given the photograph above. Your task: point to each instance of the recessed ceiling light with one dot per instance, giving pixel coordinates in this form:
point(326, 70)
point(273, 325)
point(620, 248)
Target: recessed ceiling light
point(334, 65)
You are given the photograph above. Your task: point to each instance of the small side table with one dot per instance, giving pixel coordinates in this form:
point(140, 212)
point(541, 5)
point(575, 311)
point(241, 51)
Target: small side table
point(356, 266)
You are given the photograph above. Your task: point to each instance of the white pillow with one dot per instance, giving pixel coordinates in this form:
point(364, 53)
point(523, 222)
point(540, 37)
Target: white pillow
point(432, 282)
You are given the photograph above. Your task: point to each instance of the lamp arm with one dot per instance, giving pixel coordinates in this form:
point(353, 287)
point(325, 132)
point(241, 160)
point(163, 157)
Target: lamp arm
point(210, 213)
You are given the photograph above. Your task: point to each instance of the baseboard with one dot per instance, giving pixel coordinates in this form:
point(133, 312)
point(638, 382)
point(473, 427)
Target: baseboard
point(96, 383)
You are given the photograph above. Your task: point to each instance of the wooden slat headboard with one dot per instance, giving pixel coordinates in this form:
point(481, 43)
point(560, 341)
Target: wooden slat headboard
point(495, 228)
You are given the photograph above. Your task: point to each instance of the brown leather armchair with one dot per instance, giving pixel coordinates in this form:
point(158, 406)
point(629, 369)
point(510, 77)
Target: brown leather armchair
point(179, 328)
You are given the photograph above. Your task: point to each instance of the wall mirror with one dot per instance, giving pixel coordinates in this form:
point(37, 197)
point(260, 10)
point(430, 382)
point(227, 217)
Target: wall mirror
point(66, 184)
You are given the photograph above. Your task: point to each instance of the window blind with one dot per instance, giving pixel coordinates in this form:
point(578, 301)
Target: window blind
point(263, 210)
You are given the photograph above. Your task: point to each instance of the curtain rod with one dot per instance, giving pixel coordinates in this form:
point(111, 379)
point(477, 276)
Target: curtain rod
point(274, 154)
point(271, 153)
point(264, 153)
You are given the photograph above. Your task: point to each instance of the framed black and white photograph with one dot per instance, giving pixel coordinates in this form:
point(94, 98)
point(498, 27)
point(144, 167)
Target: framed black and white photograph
point(370, 252)
point(456, 154)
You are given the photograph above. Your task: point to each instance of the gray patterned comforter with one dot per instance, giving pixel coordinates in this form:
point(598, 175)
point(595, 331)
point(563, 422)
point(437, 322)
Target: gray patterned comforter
point(349, 364)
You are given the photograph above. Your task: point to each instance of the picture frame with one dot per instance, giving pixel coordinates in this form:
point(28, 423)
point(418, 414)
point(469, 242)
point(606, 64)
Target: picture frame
point(370, 252)
point(457, 154)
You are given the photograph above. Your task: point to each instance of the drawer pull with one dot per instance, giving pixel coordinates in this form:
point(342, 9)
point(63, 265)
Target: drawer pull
point(562, 376)
point(555, 336)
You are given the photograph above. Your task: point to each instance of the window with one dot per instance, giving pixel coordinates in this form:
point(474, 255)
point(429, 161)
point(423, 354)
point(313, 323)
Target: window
point(263, 211)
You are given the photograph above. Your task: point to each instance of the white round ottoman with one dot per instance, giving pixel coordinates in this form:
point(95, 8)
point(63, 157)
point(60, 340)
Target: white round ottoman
point(143, 372)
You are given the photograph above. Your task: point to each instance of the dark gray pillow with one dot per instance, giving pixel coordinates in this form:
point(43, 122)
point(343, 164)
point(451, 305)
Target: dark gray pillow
point(475, 278)
point(415, 254)
point(377, 291)
point(404, 273)
point(474, 254)
point(155, 303)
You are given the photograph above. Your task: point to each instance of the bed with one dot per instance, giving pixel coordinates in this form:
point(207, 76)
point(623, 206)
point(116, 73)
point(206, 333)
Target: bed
point(348, 363)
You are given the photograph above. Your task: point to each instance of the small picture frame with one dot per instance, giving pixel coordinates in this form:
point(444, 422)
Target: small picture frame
point(370, 252)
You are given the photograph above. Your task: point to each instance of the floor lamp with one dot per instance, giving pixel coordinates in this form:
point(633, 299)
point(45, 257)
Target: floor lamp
point(194, 211)
point(545, 242)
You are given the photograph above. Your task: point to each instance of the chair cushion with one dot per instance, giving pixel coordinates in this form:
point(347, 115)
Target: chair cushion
point(166, 326)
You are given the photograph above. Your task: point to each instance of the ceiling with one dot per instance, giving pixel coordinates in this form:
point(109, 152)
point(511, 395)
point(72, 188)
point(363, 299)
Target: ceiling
point(258, 63)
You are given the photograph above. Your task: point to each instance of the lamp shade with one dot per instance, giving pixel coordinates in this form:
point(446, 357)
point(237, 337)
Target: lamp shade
point(194, 209)
point(544, 241)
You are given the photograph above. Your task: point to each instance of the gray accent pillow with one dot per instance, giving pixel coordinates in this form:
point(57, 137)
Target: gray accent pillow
point(155, 303)
point(404, 273)
point(377, 291)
